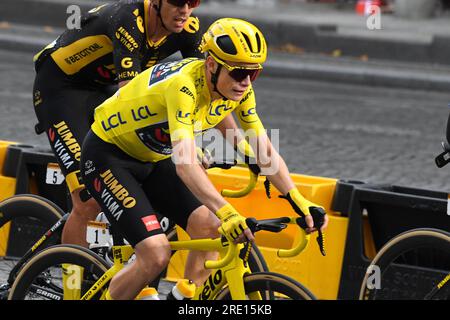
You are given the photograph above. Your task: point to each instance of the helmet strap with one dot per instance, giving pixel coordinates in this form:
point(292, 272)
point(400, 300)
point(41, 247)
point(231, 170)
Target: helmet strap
point(158, 13)
point(215, 79)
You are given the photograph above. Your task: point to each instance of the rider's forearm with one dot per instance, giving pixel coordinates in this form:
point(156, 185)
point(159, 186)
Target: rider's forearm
point(282, 180)
point(198, 182)
point(192, 174)
point(235, 136)
point(229, 124)
point(271, 162)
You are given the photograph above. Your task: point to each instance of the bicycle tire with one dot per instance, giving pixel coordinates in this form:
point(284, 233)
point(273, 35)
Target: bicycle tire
point(256, 260)
point(271, 286)
point(417, 248)
point(28, 278)
point(29, 216)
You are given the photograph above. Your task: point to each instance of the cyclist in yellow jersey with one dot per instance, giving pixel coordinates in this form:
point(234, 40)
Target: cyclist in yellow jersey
point(165, 99)
point(139, 159)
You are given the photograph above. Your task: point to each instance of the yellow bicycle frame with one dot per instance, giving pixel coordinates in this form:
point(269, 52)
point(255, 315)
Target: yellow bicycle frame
point(121, 255)
point(231, 268)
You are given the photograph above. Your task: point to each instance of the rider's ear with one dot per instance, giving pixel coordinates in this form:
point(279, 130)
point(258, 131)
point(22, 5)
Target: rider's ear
point(211, 64)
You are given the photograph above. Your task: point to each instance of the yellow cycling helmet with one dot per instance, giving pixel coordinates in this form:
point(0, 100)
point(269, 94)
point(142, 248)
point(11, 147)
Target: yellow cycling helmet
point(235, 40)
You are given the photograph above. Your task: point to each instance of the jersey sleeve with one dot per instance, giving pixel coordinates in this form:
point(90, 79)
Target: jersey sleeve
point(180, 99)
point(248, 117)
point(128, 36)
point(192, 38)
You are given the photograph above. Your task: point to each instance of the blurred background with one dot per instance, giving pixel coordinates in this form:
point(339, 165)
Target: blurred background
point(357, 94)
point(401, 8)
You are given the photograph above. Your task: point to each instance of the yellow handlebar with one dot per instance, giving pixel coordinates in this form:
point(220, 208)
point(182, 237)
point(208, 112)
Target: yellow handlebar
point(232, 249)
point(282, 253)
point(231, 253)
point(243, 192)
point(286, 253)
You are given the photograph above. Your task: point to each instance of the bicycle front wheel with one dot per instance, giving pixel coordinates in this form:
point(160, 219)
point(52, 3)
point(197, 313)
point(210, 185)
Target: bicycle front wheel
point(409, 266)
point(41, 278)
point(23, 220)
point(270, 286)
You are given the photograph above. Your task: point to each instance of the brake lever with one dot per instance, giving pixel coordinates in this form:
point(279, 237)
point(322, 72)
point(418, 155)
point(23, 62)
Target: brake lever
point(319, 219)
point(318, 215)
point(267, 187)
point(321, 242)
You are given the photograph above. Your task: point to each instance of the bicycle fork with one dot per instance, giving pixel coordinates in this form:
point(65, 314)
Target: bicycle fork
point(232, 274)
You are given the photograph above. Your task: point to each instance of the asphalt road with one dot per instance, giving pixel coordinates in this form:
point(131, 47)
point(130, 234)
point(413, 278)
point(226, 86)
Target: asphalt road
point(381, 135)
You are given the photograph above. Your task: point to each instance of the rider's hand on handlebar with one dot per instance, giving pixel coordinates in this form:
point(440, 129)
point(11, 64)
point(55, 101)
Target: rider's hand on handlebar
point(234, 225)
point(303, 207)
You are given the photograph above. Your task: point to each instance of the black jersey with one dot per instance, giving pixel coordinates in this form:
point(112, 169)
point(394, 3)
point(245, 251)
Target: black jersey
point(111, 44)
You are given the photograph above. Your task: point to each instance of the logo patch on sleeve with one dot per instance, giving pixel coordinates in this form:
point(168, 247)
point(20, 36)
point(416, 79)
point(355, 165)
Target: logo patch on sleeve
point(151, 222)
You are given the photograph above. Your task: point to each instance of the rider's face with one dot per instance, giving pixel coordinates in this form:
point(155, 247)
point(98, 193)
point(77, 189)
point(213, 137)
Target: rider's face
point(175, 17)
point(230, 87)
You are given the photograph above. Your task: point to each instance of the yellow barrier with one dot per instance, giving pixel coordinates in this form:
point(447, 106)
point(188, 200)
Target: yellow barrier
point(7, 187)
point(319, 274)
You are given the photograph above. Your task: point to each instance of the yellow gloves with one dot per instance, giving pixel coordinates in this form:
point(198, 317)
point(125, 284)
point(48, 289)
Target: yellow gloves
point(299, 203)
point(233, 224)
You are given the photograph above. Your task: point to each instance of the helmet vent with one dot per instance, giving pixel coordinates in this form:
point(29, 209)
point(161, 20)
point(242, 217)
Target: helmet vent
point(258, 42)
point(249, 44)
point(226, 45)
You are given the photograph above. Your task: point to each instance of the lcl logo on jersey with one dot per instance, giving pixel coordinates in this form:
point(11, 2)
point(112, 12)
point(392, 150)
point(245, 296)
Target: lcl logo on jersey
point(219, 110)
point(249, 115)
point(184, 117)
point(215, 113)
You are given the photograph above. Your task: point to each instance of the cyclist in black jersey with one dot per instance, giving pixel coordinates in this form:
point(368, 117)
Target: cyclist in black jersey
point(82, 67)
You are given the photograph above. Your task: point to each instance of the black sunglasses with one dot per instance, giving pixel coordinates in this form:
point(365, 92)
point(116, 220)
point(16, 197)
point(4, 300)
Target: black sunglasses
point(181, 3)
point(240, 73)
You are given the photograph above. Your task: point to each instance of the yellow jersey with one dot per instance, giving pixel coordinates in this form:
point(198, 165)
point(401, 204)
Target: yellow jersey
point(166, 103)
